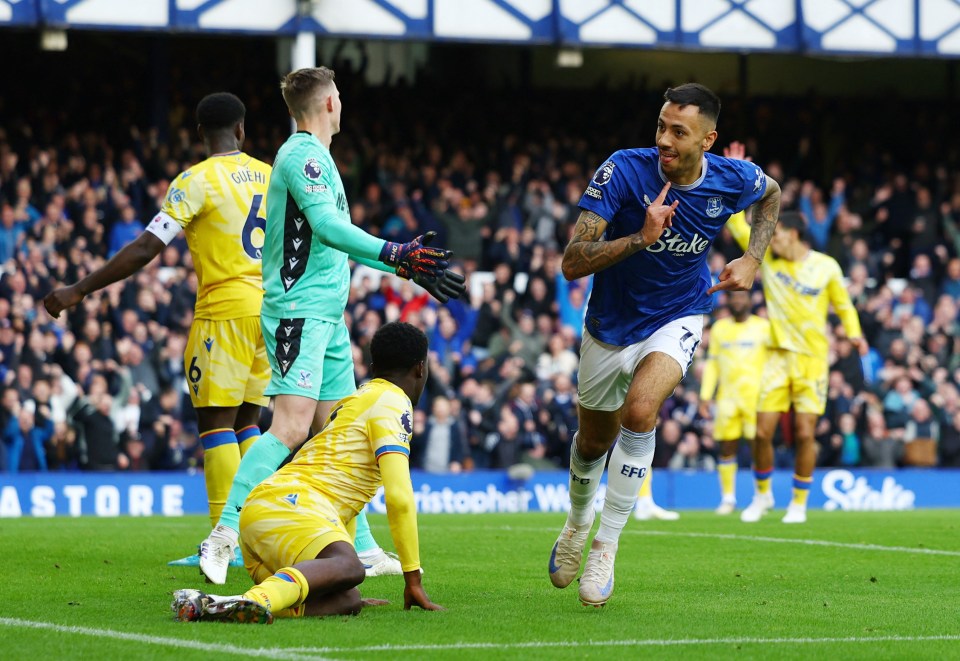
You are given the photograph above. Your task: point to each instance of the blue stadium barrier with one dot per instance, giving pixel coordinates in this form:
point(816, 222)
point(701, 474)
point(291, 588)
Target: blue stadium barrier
point(177, 494)
point(879, 27)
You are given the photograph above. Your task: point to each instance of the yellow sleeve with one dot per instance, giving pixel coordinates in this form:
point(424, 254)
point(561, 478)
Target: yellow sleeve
point(842, 305)
point(401, 508)
point(710, 378)
point(737, 224)
point(711, 371)
point(185, 198)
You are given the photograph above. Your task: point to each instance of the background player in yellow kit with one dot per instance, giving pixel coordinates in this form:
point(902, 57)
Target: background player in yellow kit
point(731, 378)
point(294, 524)
point(800, 285)
point(220, 204)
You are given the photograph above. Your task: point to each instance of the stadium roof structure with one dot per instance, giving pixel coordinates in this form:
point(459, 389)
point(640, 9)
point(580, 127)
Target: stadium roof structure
point(928, 28)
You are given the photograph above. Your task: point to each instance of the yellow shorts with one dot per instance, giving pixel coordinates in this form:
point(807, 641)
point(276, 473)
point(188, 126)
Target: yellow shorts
point(735, 419)
point(226, 363)
point(284, 523)
point(793, 378)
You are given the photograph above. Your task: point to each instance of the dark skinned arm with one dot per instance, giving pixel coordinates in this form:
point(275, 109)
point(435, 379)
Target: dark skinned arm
point(130, 259)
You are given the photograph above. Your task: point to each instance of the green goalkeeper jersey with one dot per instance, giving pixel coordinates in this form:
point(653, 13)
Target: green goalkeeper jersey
point(309, 236)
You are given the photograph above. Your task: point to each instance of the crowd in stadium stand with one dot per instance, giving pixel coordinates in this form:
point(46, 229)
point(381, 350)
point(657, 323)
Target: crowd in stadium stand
point(103, 388)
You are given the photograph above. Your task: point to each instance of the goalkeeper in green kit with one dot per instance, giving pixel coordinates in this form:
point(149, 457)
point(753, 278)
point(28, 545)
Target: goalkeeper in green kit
point(309, 239)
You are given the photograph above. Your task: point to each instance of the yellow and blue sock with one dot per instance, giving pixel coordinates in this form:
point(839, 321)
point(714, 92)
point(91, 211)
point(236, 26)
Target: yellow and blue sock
point(284, 591)
point(247, 437)
point(260, 461)
point(727, 471)
point(801, 489)
point(762, 480)
point(221, 457)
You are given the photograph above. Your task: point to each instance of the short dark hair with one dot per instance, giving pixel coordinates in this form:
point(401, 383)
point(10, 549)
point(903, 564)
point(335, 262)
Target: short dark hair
point(220, 110)
point(794, 220)
point(695, 94)
point(397, 346)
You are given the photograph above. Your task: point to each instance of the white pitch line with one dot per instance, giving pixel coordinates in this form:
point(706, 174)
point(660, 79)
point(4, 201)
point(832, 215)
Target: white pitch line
point(667, 642)
point(313, 652)
point(808, 542)
point(744, 538)
point(220, 648)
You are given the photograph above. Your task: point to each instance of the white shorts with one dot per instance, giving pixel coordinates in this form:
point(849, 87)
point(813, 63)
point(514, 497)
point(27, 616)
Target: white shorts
point(606, 371)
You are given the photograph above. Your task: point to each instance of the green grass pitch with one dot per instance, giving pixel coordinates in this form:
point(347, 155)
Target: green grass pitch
point(845, 585)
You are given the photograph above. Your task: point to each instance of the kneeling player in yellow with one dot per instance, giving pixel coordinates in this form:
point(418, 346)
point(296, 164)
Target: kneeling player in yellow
point(294, 524)
point(735, 359)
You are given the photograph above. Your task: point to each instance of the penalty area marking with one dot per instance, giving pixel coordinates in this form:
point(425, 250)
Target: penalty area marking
point(219, 648)
point(744, 538)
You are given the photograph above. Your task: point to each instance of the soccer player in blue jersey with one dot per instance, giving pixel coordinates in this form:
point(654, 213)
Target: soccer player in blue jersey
point(648, 219)
point(309, 239)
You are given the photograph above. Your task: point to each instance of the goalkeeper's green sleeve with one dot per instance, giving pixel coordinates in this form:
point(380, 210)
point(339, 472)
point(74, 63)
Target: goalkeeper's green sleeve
point(374, 264)
point(344, 237)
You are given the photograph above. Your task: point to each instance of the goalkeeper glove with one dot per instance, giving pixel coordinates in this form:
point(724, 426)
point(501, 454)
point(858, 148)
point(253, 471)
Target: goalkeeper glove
point(416, 257)
point(449, 284)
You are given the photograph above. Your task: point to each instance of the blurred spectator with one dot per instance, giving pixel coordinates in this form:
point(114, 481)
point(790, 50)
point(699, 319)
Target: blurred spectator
point(98, 442)
point(557, 359)
point(881, 448)
point(921, 424)
point(690, 456)
point(504, 444)
point(25, 441)
point(439, 447)
point(125, 230)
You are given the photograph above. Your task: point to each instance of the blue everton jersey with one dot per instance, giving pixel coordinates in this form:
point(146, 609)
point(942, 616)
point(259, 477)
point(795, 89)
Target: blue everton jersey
point(668, 280)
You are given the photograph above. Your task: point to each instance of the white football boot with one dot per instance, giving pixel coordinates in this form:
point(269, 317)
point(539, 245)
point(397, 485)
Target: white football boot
point(726, 507)
point(567, 553)
point(382, 563)
point(760, 505)
point(795, 514)
point(216, 553)
point(596, 584)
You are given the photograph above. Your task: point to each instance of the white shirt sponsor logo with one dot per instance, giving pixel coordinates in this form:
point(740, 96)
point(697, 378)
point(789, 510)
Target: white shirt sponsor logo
point(679, 246)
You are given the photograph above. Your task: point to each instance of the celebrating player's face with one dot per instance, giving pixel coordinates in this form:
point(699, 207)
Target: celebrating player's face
point(683, 134)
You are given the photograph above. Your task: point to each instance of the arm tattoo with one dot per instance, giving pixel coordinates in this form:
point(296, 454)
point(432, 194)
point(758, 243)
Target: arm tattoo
point(589, 227)
point(765, 216)
point(587, 253)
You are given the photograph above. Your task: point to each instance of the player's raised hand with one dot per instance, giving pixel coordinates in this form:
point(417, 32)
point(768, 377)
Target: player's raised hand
point(738, 274)
point(659, 217)
point(737, 151)
point(415, 595)
point(417, 256)
point(62, 299)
